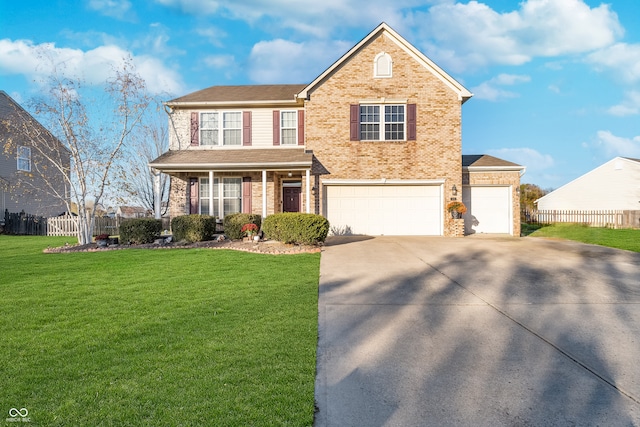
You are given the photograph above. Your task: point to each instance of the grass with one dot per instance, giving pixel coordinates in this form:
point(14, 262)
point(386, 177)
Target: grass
point(157, 337)
point(627, 239)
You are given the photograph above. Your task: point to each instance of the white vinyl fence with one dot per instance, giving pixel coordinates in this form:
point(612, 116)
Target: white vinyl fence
point(604, 218)
point(66, 225)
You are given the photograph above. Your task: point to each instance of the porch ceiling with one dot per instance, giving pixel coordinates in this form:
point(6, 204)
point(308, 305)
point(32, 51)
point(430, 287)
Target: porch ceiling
point(233, 160)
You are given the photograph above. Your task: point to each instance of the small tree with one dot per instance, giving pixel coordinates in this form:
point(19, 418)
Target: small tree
point(529, 193)
point(150, 141)
point(93, 132)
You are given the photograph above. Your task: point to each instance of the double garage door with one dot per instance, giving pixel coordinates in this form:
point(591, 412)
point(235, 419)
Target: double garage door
point(376, 210)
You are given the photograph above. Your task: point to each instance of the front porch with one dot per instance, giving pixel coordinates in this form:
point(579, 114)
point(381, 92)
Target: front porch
point(220, 182)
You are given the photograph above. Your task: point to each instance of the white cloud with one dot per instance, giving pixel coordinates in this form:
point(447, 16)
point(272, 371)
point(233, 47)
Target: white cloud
point(213, 35)
point(491, 91)
point(279, 61)
point(318, 18)
point(120, 9)
point(532, 159)
point(629, 107)
point(220, 61)
point(623, 59)
point(93, 66)
point(614, 145)
point(480, 36)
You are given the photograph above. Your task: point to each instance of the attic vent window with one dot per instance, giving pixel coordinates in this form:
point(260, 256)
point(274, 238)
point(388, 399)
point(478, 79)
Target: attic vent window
point(382, 66)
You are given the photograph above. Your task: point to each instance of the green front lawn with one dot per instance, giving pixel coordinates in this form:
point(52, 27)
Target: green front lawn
point(157, 337)
point(622, 239)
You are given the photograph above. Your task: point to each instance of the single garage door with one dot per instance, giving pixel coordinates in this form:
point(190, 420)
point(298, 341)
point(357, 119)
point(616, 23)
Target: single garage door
point(392, 210)
point(488, 209)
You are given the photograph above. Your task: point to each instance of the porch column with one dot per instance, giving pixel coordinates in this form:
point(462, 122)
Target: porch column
point(264, 194)
point(210, 192)
point(156, 193)
point(308, 195)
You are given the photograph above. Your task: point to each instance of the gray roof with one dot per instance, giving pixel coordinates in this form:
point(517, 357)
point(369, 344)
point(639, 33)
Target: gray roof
point(485, 160)
point(233, 159)
point(250, 93)
point(18, 121)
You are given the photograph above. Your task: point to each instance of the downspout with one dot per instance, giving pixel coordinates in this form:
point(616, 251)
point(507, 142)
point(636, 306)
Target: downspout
point(169, 112)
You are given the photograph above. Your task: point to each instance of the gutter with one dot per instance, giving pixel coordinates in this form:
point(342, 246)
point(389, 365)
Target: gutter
point(521, 169)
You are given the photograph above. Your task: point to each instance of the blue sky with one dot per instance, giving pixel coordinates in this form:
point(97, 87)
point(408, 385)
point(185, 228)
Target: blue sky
point(556, 83)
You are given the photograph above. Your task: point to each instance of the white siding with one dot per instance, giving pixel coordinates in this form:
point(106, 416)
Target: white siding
point(613, 186)
point(262, 128)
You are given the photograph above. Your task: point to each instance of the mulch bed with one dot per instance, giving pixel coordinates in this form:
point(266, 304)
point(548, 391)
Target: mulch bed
point(263, 247)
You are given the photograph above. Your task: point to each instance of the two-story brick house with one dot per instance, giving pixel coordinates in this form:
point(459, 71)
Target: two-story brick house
point(374, 144)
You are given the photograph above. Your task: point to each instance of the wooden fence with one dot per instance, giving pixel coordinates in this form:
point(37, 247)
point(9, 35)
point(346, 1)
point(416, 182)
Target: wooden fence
point(23, 223)
point(604, 218)
point(66, 225)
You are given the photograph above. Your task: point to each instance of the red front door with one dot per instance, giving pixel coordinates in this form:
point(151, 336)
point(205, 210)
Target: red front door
point(291, 199)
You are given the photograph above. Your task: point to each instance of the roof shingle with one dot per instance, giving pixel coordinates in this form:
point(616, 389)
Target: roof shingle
point(255, 93)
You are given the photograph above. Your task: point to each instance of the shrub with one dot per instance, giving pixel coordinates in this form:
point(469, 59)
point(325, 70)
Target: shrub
point(233, 224)
point(140, 230)
point(193, 228)
point(298, 228)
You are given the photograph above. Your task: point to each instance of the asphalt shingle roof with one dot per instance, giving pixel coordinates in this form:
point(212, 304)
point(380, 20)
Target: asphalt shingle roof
point(243, 93)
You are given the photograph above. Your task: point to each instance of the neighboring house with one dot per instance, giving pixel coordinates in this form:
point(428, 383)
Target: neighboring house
point(132, 212)
point(28, 181)
point(614, 185)
point(373, 144)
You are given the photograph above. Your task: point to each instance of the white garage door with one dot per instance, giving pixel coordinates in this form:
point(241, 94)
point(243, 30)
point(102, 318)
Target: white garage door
point(488, 209)
point(392, 210)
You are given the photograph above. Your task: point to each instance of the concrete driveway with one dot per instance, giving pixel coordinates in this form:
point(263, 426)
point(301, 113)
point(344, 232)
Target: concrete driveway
point(419, 331)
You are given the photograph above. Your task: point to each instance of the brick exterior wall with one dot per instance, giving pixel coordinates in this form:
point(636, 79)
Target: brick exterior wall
point(436, 154)
point(179, 191)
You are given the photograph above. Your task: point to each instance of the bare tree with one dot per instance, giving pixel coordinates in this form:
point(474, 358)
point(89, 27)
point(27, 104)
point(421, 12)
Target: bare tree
point(92, 131)
point(151, 141)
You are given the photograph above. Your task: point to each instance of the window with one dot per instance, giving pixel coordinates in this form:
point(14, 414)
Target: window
point(388, 126)
point(230, 133)
point(231, 201)
point(232, 128)
point(289, 127)
point(24, 159)
point(204, 196)
point(209, 129)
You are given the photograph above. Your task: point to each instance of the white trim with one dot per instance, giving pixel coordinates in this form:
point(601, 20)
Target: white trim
point(229, 167)
point(463, 93)
point(383, 181)
point(205, 104)
point(384, 100)
point(493, 168)
point(294, 128)
point(386, 74)
point(382, 114)
point(308, 190)
point(211, 184)
point(264, 193)
point(220, 130)
point(24, 157)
